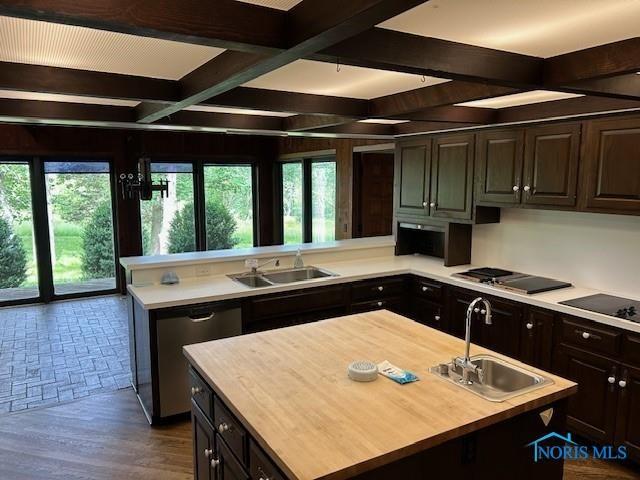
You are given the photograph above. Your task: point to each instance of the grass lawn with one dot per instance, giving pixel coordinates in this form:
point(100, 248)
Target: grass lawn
point(293, 230)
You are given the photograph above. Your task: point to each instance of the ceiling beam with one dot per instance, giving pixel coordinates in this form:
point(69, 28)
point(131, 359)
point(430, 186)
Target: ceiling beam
point(226, 120)
point(220, 23)
point(448, 93)
point(425, 127)
point(358, 128)
point(310, 26)
point(34, 109)
point(391, 50)
point(612, 59)
point(300, 123)
point(452, 114)
point(623, 86)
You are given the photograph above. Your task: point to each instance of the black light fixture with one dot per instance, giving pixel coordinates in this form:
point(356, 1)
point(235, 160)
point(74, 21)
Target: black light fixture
point(142, 186)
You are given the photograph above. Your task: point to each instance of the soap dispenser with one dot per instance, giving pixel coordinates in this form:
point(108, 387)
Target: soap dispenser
point(298, 262)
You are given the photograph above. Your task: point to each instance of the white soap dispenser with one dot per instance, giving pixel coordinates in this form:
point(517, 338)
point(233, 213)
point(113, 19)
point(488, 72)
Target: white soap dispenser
point(298, 262)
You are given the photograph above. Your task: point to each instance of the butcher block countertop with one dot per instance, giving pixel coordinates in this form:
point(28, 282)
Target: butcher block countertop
point(289, 387)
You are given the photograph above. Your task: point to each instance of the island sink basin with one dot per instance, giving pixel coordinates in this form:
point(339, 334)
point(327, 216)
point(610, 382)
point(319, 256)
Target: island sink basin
point(495, 380)
point(279, 277)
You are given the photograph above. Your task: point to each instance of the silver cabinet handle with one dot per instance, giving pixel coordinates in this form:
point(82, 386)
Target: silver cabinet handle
point(195, 391)
point(516, 188)
point(215, 462)
point(622, 383)
point(426, 289)
point(380, 304)
point(437, 318)
point(223, 427)
point(527, 188)
point(611, 380)
point(203, 319)
point(380, 288)
point(424, 204)
point(586, 335)
point(529, 326)
point(419, 227)
point(208, 452)
point(432, 204)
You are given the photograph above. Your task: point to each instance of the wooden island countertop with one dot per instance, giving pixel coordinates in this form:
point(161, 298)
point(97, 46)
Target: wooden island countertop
point(289, 388)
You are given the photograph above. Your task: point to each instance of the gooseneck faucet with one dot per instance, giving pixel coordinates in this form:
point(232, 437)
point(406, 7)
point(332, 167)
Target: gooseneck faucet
point(255, 266)
point(465, 362)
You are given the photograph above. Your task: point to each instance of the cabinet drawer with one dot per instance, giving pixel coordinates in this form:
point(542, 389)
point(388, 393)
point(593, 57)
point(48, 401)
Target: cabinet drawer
point(230, 430)
point(260, 465)
point(296, 302)
point(427, 313)
point(631, 349)
point(428, 289)
point(585, 335)
point(201, 394)
point(376, 289)
point(394, 304)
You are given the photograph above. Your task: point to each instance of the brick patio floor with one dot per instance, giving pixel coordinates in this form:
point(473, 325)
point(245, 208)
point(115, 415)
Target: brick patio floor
point(61, 351)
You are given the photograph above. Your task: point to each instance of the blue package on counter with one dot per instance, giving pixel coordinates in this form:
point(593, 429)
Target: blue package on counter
point(396, 374)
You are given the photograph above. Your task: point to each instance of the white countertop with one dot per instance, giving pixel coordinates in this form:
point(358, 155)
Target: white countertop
point(215, 256)
point(216, 288)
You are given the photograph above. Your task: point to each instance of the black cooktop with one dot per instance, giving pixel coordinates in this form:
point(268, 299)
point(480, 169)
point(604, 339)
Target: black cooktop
point(608, 305)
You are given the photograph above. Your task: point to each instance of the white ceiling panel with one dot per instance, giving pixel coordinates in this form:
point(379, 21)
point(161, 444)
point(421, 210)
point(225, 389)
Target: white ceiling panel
point(57, 45)
point(307, 76)
point(241, 111)
point(542, 28)
point(277, 4)
point(525, 98)
point(54, 97)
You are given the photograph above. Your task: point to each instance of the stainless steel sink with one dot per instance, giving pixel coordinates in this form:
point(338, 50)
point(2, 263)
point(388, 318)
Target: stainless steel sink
point(297, 275)
point(278, 277)
point(494, 379)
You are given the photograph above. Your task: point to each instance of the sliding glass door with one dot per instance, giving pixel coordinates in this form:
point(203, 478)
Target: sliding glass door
point(80, 224)
point(18, 262)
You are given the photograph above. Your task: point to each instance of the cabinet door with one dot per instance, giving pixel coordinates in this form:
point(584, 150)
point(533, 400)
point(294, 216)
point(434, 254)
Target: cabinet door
point(413, 172)
point(452, 177)
point(459, 301)
point(428, 313)
point(229, 468)
point(203, 445)
point(536, 339)
point(611, 168)
point(499, 158)
point(628, 426)
point(591, 411)
point(551, 156)
point(503, 335)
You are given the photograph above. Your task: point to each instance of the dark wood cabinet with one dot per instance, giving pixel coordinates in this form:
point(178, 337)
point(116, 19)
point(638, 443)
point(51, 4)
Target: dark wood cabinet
point(204, 447)
point(452, 177)
point(536, 339)
point(228, 467)
point(628, 425)
point(413, 179)
point(592, 411)
point(611, 166)
point(551, 156)
point(499, 159)
point(428, 313)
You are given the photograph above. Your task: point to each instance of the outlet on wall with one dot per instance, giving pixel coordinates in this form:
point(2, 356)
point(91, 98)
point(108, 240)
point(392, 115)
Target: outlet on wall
point(203, 270)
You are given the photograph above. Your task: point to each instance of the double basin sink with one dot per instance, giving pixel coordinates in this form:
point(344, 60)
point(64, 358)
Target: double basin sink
point(494, 379)
point(280, 277)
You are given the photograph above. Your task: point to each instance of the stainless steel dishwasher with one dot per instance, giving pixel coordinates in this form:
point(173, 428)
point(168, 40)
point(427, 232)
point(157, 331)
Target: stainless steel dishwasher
point(181, 326)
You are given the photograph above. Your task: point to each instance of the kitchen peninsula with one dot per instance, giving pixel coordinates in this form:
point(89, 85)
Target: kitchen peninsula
point(279, 405)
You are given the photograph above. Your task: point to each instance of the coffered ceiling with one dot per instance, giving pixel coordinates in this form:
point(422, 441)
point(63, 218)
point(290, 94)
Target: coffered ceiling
point(516, 99)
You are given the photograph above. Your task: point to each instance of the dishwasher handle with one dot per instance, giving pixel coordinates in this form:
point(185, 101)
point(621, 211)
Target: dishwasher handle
point(206, 318)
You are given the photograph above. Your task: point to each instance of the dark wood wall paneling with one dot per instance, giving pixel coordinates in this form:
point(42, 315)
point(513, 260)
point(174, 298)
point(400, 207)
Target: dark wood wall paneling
point(124, 148)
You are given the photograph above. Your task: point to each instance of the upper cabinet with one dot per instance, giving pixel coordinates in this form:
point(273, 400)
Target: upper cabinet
point(413, 174)
point(611, 166)
point(551, 156)
point(452, 177)
point(499, 158)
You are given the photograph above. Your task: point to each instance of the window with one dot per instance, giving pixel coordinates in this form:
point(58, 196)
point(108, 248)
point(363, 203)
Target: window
point(168, 224)
point(308, 200)
point(228, 194)
point(80, 221)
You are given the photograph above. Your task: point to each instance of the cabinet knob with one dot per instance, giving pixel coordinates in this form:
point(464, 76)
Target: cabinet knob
point(223, 427)
point(622, 383)
point(483, 311)
point(215, 462)
point(611, 380)
point(476, 310)
point(419, 227)
point(516, 188)
point(380, 304)
point(527, 188)
point(586, 335)
point(437, 318)
point(424, 204)
point(380, 288)
point(425, 289)
point(195, 391)
point(208, 452)
point(529, 326)
point(432, 204)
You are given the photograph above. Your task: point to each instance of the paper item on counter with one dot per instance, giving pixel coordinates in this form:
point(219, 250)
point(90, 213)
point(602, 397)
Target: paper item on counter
point(396, 374)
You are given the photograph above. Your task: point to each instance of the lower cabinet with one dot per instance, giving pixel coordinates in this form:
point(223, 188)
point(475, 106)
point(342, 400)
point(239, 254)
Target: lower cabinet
point(628, 424)
point(536, 338)
point(204, 446)
point(228, 467)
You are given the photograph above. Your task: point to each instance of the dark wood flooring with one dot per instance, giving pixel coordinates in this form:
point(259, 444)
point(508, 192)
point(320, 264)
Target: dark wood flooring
point(106, 437)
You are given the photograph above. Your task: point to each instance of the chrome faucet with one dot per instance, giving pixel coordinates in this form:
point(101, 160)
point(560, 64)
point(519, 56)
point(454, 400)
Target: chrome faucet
point(255, 266)
point(465, 363)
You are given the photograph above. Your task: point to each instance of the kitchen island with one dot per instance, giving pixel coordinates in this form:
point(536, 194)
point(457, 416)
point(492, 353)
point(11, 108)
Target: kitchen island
point(279, 404)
